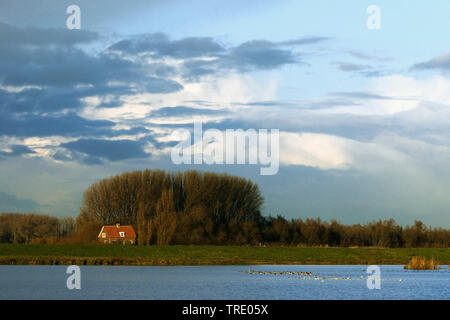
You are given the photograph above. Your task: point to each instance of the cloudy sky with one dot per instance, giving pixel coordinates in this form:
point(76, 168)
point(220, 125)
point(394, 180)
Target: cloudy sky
point(363, 114)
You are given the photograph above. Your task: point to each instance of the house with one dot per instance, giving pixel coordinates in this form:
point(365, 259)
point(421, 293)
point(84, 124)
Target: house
point(117, 235)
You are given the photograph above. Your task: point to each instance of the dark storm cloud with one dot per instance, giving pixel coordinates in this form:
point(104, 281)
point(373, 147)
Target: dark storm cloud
point(440, 63)
point(56, 99)
point(41, 126)
point(159, 45)
point(157, 85)
point(66, 67)
point(260, 54)
point(194, 69)
point(251, 55)
point(160, 69)
point(68, 125)
point(64, 75)
point(46, 58)
point(63, 65)
point(41, 37)
point(113, 150)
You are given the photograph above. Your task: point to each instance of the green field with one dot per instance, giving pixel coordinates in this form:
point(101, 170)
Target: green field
point(41, 254)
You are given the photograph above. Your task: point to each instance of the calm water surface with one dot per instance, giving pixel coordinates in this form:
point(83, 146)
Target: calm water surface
point(222, 282)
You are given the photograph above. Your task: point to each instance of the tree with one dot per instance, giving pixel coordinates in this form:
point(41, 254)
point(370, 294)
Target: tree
point(165, 221)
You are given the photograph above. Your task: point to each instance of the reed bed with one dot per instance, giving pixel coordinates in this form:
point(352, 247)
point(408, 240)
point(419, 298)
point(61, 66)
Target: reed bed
point(422, 263)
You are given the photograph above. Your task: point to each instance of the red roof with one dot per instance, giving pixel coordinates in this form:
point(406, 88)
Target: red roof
point(114, 232)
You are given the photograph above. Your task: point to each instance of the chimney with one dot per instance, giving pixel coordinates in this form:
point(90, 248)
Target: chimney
point(117, 225)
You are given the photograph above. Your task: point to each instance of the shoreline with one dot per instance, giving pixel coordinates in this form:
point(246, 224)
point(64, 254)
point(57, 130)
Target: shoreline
point(59, 254)
point(55, 261)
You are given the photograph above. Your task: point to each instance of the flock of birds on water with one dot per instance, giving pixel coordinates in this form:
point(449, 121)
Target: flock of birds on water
point(305, 275)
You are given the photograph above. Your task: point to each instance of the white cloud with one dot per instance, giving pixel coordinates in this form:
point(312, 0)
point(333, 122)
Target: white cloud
point(314, 150)
point(408, 93)
point(328, 152)
point(398, 93)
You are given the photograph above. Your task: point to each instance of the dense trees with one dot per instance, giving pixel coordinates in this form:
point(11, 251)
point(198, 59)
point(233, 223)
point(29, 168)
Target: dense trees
point(34, 228)
point(388, 234)
point(164, 208)
point(203, 208)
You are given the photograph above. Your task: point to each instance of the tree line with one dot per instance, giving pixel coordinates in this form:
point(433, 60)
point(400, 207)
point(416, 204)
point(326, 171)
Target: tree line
point(218, 209)
point(203, 208)
point(386, 234)
point(35, 228)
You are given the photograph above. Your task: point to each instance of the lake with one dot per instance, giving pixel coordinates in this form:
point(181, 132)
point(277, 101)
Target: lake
point(222, 282)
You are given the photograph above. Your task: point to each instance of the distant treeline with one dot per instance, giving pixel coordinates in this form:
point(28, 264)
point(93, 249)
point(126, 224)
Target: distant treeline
point(386, 234)
point(203, 208)
point(35, 228)
point(210, 208)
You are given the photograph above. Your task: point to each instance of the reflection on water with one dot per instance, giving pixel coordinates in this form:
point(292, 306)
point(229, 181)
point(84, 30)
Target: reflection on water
point(222, 282)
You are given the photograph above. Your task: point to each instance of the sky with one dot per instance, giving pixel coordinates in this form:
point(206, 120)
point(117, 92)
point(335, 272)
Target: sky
point(363, 113)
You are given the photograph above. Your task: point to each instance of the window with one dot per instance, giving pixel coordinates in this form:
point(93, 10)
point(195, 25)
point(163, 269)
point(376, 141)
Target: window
point(122, 234)
point(103, 234)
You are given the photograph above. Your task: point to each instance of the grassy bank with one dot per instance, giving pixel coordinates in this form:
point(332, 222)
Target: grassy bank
point(207, 255)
